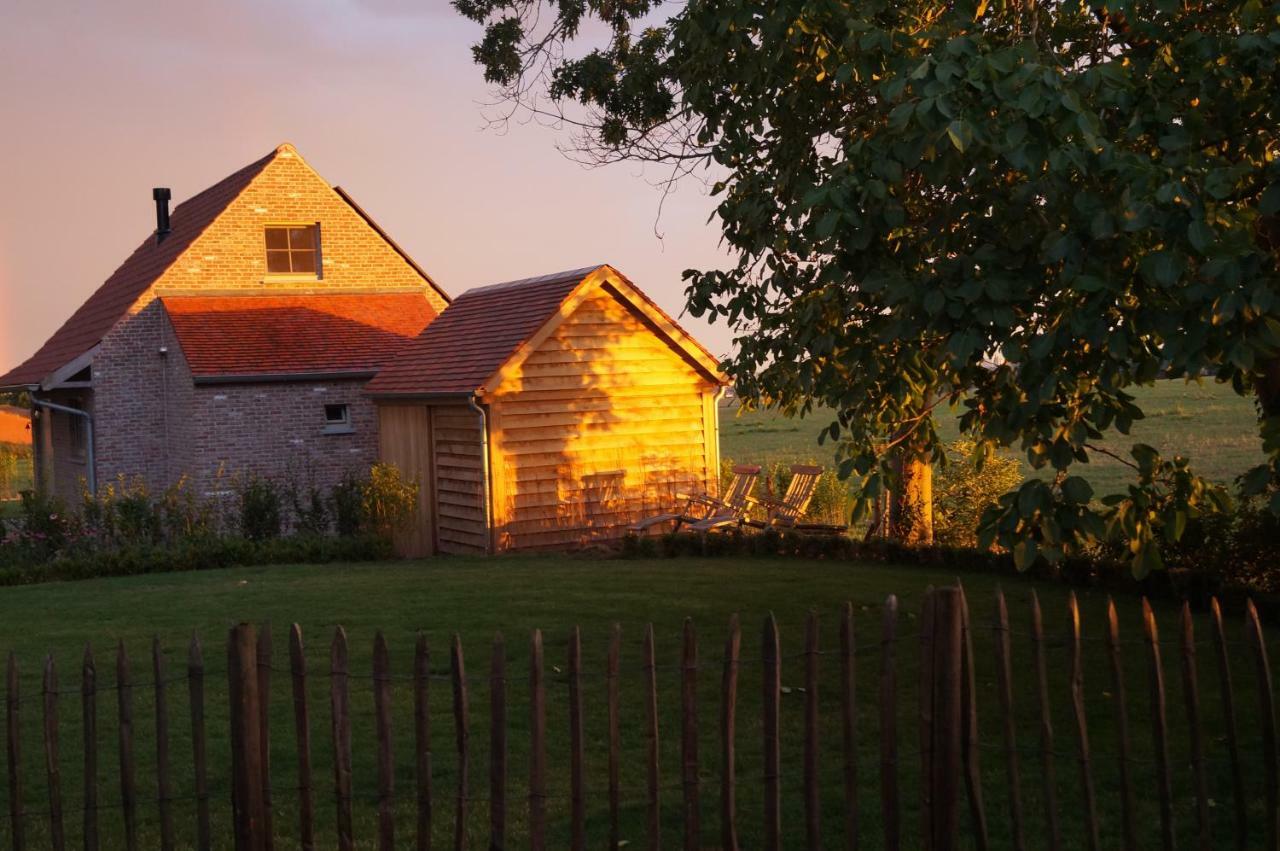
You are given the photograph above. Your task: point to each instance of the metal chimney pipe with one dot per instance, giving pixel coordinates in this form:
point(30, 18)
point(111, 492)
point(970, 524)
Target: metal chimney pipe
point(161, 195)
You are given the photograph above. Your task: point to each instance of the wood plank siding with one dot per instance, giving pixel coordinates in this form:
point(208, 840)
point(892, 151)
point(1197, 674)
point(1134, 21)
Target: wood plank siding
point(603, 423)
point(441, 448)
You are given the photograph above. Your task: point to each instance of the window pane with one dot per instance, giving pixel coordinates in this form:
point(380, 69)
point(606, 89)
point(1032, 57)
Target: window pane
point(335, 413)
point(278, 262)
point(277, 238)
point(304, 261)
point(302, 238)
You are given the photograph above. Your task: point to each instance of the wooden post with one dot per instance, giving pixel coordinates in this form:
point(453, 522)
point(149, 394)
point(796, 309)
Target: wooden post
point(849, 726)
point(728, 734)
point(944, 718)
point(340, 703)
point(537, 747)
point(1159, 727)
point(1004, 687)
point(689, 779)
point(577, 759)
point(1229, 721)
point(653, 811)
point(612, 664)
point(199, 748)
point(888, 710)
point(771, 703)
point(498, 745)
point(386, 762)
point(14, 741)
point(1054, 837)
point(89, 715)
point(1191, 694)
point(1128, 826)
point(264, 653)
point(1267, 716)
point(128, 792)
point(164, 785)
point(925, 695)
point(969, 727)
point(246, 751)
point(57, 836)
point(812, 792)
point(422, 738)
point(462, 738)
point(1082, 724)
point(302, 738)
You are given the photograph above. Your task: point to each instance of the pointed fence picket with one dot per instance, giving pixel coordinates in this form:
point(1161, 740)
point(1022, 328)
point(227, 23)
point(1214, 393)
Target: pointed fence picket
point(790, 785)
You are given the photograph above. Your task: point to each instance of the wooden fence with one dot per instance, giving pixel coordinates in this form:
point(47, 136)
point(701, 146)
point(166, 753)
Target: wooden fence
point(951, 805)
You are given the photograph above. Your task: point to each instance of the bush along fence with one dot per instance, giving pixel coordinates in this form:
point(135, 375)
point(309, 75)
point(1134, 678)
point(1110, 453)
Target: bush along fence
point(949, 807)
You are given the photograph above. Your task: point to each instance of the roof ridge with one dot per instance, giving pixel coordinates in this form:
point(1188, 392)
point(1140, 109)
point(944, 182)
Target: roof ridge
point(537, 279)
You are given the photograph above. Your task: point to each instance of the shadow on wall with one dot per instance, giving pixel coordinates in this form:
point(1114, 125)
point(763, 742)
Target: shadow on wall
point(602, 425)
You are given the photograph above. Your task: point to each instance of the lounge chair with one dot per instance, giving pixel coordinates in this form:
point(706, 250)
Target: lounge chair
point(701, 508)
point(786, 512)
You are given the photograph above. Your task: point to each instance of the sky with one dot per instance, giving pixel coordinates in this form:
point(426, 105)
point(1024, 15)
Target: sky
point(103, 101)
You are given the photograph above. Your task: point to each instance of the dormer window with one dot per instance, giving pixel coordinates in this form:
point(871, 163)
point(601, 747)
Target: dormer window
point(293, 250)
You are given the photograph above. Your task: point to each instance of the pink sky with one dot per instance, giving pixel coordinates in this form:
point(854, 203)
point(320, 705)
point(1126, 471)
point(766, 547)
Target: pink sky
point(103, 101)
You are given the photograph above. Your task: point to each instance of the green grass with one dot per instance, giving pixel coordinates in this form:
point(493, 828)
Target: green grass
point(477, 598)
point(1207, 422)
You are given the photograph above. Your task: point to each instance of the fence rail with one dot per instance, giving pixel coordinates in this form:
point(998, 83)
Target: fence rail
point(952, 808)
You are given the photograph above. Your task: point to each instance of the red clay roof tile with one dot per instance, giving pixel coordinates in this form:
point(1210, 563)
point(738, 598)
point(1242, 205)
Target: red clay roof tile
point(275, 335)
point(475, 336)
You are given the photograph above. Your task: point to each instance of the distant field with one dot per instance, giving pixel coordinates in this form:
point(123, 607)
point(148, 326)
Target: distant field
point(1207, 422)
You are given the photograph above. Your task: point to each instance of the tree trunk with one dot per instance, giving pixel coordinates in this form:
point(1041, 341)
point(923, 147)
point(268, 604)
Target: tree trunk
point(911, 506)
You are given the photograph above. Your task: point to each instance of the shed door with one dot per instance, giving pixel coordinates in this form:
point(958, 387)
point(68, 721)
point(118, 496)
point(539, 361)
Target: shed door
point(404, 439)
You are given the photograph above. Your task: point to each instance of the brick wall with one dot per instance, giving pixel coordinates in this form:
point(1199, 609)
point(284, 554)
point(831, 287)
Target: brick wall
point(153, 422)
point(278, 431)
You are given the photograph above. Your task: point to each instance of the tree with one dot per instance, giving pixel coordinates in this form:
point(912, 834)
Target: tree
point(1020, 209)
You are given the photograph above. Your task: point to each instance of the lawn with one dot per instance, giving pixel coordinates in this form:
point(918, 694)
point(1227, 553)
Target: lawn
point(1207, 422)
point(476, 598)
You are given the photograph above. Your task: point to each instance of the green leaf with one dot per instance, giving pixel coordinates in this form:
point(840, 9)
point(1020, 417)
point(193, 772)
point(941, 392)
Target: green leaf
point(1270, 203)
point(934, 301)
point(1077, 490)
point(959, 134)
point(1024, 554)
point(1200, 235)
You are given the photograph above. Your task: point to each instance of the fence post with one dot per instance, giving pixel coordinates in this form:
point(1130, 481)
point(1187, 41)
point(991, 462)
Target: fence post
point(246, 749)
point(941, 717)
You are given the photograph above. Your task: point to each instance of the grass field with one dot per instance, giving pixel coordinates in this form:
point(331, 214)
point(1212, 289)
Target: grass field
point(1207, 422)
point(477, 598)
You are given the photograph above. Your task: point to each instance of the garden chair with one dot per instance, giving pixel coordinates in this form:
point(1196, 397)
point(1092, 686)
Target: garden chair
point(786, 512)
point(701, 508)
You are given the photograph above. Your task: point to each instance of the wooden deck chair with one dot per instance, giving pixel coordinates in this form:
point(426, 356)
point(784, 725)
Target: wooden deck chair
point(699, 508)
point(787, 511)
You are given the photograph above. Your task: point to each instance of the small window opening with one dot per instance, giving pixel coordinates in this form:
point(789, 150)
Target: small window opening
point(293, 250)
point(337, 419)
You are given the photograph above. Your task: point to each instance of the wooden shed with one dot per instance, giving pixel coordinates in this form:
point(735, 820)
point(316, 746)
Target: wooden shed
point(548, 413)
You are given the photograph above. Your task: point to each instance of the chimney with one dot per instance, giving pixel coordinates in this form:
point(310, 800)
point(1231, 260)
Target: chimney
point(161, 196)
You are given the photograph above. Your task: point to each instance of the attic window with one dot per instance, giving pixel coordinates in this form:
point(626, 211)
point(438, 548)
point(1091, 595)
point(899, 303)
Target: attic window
point(337, 419)
point(293, 249)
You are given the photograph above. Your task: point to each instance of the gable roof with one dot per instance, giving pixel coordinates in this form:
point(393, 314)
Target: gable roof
point(88, 325)
point(256, 337)
point(489, 327)
point(112, 300)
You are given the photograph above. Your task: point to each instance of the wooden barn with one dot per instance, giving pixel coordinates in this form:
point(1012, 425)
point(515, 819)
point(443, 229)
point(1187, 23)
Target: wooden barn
point(548, 413)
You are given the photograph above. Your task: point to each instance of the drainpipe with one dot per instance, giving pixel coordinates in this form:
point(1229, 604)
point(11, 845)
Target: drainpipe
point(715, 411)
point(88, 435)
point(484, 479)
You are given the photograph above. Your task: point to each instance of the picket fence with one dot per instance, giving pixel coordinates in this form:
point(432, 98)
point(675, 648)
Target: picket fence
point(949, 753)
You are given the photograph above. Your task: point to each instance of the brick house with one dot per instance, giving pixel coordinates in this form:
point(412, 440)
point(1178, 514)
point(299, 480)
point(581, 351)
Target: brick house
point(236, 339)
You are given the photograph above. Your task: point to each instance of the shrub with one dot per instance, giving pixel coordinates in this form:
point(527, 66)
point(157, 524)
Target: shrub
point(310, 512)
point(347, 501)
point(961, 492)
point(389, 500)
point(260, 509)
